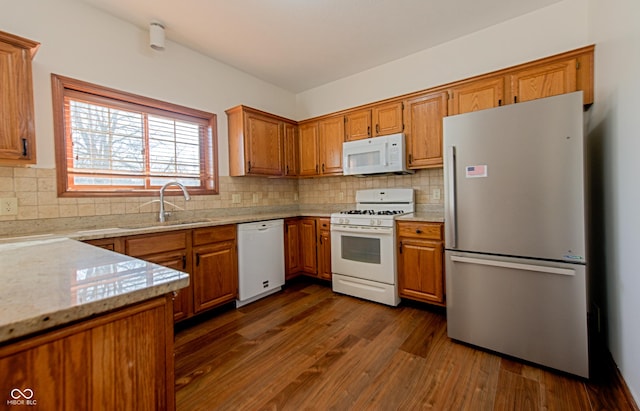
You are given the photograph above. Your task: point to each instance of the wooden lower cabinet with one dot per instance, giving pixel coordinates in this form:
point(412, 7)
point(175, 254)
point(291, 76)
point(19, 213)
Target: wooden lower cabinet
point(308, 247)
point(292, 245)
point(215, 267)
point(420, 262)
point(170, 250)
point(209, 255)
point(324, 248)
point(117, 361)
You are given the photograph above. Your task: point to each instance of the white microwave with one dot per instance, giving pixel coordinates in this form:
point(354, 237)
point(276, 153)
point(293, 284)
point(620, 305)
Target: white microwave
point(385, 154)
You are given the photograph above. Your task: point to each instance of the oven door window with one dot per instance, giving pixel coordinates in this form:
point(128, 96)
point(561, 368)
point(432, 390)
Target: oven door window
point(360, 249)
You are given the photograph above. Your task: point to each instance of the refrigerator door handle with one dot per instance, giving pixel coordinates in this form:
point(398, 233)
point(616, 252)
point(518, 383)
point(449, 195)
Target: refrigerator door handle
point(450, 212)
point(516, 266)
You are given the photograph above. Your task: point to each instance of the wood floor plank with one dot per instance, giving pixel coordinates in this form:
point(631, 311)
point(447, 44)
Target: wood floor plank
point(307, 348)
point(515, 392)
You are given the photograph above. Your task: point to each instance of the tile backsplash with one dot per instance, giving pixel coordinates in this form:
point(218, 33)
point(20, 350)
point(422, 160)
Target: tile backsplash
point(35, 190)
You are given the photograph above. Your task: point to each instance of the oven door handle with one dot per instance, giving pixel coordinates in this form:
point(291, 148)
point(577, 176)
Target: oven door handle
point(362, 230)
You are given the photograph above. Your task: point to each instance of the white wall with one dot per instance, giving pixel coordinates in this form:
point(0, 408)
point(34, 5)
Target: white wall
point(614, 139)
point(81, 42)
point(551, 30)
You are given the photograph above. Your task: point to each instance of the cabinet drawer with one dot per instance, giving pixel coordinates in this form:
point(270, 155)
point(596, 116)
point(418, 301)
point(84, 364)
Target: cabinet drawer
point(155, 243)
point(414, 229)
point(214, 234)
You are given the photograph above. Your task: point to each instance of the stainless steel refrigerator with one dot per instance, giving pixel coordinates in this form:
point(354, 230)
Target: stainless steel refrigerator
point(516, 269)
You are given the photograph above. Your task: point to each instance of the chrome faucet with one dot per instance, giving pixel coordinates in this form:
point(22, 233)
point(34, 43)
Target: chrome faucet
point(163, 214)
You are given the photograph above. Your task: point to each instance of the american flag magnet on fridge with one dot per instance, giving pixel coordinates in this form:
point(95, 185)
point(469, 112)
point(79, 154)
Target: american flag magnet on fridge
point(475, 171)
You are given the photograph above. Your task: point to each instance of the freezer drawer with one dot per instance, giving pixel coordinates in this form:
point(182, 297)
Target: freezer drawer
point(533, 310)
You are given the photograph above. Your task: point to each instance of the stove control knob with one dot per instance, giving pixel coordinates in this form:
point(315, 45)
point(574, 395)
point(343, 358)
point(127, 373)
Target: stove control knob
point(373, 221)
point(379, 222)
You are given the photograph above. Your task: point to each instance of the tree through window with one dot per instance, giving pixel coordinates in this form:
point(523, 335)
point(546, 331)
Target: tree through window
point(114, 143)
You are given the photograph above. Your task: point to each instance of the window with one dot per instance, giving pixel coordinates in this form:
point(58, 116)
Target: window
point(112, 143)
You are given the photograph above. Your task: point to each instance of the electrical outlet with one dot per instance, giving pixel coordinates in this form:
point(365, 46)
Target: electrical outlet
point(9, 206)
point(236, 198)
point(435, 194)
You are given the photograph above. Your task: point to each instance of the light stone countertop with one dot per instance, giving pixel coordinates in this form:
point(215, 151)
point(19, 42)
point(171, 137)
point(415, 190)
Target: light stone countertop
point(50, 279)
point(423, 216)
point(135, 229)
point(50, 282)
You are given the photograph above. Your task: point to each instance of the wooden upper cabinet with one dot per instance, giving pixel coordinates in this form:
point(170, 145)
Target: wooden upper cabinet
point(308, 145)
point(477, 95)
point(423, 133)
point(256, 142)
point(544, 80)
point(331, 137)
point(387, 118)
point(291, 150)
point(17, 126)
point(358, 125)
point(379, 120)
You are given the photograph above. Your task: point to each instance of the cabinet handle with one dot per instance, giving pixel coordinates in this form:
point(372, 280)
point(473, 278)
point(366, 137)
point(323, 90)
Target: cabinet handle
point(377, 128)
point(400, 247)
point(323, 167)
point(197, 259)
point(515, 99)
point(410, 159)
point(418, 231)
point(25, 147)
point(499, 102)
point(184, 262)
point(287, 170)
point(368, 130)
point(320, 240)
point(316, 169)
point(249, 164)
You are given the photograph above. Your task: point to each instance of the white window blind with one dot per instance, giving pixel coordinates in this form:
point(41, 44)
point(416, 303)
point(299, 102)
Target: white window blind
point(115, 147)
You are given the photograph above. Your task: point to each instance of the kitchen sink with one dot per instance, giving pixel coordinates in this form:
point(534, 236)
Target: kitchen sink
point(170, 223)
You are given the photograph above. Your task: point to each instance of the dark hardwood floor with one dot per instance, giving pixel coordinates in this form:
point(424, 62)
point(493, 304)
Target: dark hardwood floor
point(307, 348)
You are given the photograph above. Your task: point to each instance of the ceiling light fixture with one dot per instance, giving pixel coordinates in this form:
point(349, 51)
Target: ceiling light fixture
point(156, 36)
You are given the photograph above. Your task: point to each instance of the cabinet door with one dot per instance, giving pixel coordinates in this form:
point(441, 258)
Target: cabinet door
point(293, 264)
point(543, 81)
point(177, 261)
point(424, 116)
point(358, 125)
point(308, 141)
point(324, 249)
point(264, 142)
point(420, 275)
point(96, 363)
point(17, 128)
point(331, 137)
point(308, 248)
point(291, 150)
point(387, 118)
point(477, 95)
point(215, 275)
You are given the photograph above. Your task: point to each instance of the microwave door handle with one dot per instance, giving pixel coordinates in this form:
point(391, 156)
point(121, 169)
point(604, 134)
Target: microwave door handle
point(385, 159)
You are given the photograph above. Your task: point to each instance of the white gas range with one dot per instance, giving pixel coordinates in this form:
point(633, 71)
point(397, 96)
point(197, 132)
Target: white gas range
point(363, 251)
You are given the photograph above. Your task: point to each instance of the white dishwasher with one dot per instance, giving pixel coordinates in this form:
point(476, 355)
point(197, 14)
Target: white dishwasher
point(260, 260)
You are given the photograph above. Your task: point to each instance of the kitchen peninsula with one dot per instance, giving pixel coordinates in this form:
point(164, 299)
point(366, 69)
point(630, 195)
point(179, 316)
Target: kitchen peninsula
point(83, 326)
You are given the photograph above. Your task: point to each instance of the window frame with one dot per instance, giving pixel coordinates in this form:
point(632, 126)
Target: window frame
point(63, 87)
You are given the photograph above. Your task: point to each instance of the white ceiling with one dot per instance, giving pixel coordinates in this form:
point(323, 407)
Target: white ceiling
point(302, 44)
